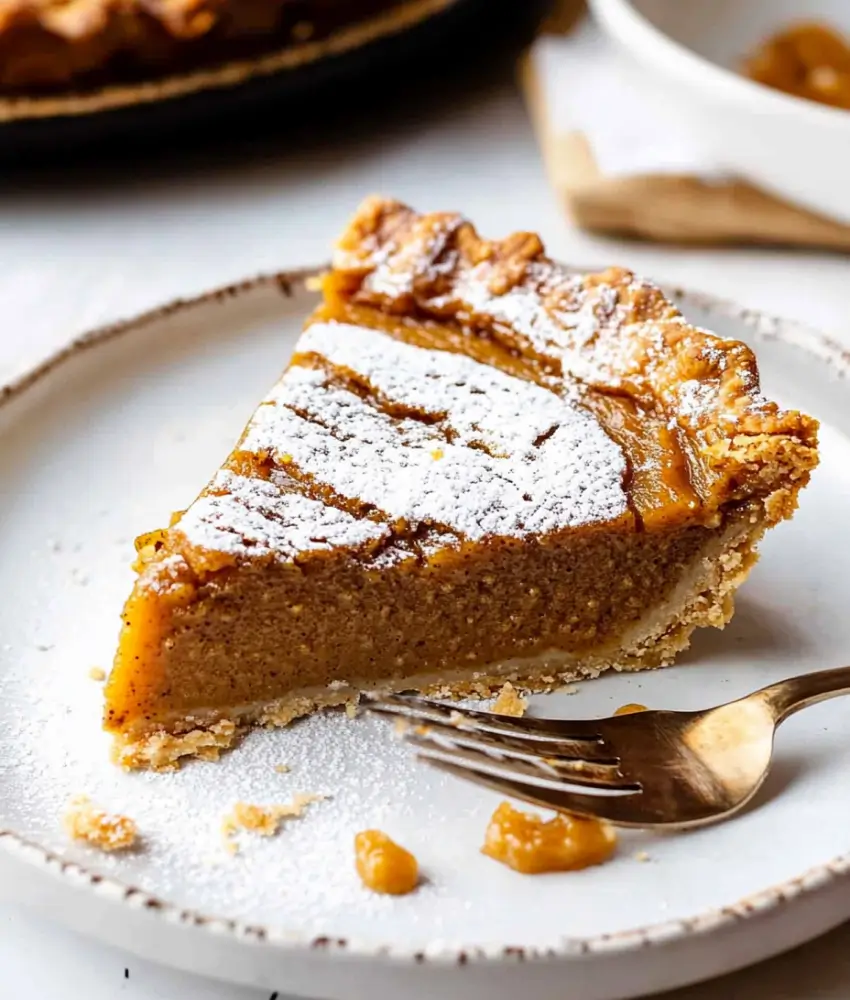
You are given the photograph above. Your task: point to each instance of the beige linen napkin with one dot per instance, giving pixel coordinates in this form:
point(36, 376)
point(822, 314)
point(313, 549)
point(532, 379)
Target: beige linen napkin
point(624, 163)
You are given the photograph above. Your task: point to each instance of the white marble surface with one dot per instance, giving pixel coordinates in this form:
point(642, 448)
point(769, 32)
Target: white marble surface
point(82, 249)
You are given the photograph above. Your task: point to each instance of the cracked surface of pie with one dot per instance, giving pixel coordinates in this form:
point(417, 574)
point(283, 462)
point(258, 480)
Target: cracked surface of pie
point(58, 43)
point(478, 467)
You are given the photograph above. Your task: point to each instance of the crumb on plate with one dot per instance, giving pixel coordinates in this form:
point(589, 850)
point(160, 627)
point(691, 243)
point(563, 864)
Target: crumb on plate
point(510, 702)
point(85, 821)
point(97, 674)
point(262, 820)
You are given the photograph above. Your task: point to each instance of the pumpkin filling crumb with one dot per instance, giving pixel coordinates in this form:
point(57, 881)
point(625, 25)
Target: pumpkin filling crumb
point(632, 708)
point(531, 845)
point(383, 865)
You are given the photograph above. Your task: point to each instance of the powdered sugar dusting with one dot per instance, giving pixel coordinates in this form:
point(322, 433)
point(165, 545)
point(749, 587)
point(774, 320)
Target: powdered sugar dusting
point(481, 404)
point(426, 243)
point(598, 331)
point(243, 516)
point(562, 333)
point(695, 397)
point(491, 455)
point(522, 309)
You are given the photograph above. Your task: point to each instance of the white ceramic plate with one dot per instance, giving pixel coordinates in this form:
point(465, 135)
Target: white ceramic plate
point(105, 441)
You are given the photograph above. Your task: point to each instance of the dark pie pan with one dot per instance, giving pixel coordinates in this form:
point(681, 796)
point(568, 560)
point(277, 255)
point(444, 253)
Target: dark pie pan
point(269, 92)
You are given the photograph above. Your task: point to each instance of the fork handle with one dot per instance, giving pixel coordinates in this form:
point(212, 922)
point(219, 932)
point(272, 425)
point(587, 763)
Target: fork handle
point(788, 697)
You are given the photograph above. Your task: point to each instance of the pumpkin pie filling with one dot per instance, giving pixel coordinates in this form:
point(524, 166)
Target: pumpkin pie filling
point(477, 467)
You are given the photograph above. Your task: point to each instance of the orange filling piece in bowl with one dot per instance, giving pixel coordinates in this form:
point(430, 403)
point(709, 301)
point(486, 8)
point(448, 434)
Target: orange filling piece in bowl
point(807, 60)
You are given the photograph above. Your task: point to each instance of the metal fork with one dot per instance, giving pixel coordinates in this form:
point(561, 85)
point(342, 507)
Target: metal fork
point(651, 769)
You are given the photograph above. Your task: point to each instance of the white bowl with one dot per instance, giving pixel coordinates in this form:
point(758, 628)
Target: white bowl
point(796, 148)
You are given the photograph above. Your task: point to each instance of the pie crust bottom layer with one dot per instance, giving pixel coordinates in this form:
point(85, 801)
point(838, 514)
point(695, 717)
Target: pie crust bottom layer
point(702, 596)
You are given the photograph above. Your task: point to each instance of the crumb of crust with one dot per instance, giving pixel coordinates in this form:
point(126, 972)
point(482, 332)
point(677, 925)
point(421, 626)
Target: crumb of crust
point(467, 689)
point(262, 820)
point(351, 710)
point(97, 674)
point(85, 821)
point(456, 718)
point(642, 856)
point(510, 702)
point(282, 768)
point(162, 751)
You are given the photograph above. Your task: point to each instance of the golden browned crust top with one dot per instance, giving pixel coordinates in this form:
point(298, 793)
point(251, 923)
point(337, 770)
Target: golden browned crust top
point(615, 334)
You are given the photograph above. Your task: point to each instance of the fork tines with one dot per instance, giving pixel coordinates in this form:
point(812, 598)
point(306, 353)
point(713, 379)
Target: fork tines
point(525, 757)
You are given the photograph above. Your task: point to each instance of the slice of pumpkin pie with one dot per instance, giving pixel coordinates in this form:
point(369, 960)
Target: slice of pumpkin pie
point(477, 467)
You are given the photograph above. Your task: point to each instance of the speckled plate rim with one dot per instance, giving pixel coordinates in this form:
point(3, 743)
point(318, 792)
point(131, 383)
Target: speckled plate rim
point(220, 76)
point(819, 878)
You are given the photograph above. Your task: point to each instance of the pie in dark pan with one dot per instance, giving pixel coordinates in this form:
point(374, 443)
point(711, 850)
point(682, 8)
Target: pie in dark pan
point(78, 72)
